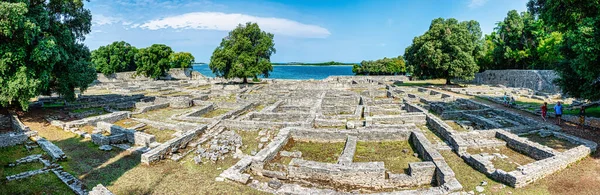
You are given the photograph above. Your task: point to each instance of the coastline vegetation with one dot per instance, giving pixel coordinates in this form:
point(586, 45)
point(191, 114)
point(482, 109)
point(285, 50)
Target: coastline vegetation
point(330, 63)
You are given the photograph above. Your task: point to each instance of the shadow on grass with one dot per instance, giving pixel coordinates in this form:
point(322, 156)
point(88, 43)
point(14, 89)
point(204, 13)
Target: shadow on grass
point(93, 166)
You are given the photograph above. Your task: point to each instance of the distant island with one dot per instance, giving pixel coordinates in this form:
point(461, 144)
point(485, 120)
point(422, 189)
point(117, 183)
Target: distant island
point(330, 63)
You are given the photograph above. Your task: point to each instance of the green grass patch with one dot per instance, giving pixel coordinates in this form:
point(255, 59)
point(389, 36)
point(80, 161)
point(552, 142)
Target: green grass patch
point(47, 183)
point(162, 136)
point(53, 105)
point(162, 115)
point(215, 113)
point(249, 141)
point(184, 177)
point(422, 83)
point(10, 154)
point(389, 152)
point(317, 151)
point(80, 110)
point(590, 112)
point(507, 164)
point(558, 144)
point(126, 123)
point(456, 126)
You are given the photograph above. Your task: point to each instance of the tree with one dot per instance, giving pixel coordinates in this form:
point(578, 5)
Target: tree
point(385, 66)
point(449, 49)
point(245, 52)
point(579, 21)
point(153, 61)
point(181, 60)
point(41, 50)
point(116, 57)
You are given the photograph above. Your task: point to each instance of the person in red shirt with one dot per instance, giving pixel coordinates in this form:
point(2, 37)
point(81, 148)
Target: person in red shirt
point(544, 110)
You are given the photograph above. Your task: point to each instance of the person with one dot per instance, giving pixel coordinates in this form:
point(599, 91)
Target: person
point(505, 99)
point(544, 110)
point(582, 117)
point(558, 110)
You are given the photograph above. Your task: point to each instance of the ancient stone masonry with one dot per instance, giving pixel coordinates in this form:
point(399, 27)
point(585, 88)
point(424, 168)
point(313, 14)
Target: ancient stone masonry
point(489, 128)
point(539, 80)
point(276, 128)
point(171, 146)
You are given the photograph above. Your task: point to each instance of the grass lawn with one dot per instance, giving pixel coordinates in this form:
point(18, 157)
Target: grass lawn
point(215, 113)
point(456, 126)
point(80, 110)
point(162, 115)
point(388, 152)
point(126, 123)
point(54, 105)
point(593, 112)
point(47, 183)
point(11, 154)
point(162, 136)
point(317, 151)
point(431, 135)
point(508, 164)
point(184, 177)
point(249, 141)
point(558, 144)
point(422, 83)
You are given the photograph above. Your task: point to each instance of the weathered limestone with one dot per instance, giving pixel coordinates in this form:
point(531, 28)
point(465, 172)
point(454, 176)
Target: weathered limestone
point(100, 190)
point(53, 151)
point(171, 146)
point(110, 118)
point(349, 149)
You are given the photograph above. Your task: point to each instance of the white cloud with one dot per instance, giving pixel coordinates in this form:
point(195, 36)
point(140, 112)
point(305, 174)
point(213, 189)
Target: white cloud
point(100, 20)
point(226, 22)
point(477, 3)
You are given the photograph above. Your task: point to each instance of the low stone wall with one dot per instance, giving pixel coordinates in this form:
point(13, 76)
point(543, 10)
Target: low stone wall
point(119, 134)
point(324, 135)
point(399, 119)
point(348, 152)
point(532, 149)
point(355, 174)
point(170, 146)
point(110, 118)
point(589, 121)
point(144, 107)
point(539, 80)
point(173, 73)
point(19, 134)
point(53, 151)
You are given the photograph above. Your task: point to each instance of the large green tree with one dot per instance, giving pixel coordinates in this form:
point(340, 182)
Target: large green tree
point(245, 52)
point(579, 21)
point(449, 49)
point(181, 60)
point(385, 66)
point(153, 61)
point(41, 49)
point(116, 57)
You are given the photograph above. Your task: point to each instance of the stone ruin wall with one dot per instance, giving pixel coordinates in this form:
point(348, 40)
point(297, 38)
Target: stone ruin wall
point(538, 80)
point(174, 73)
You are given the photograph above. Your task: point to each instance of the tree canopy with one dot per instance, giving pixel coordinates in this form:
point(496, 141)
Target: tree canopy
point(116, 57)
point(41, 50)
point(245, 52)
point(181, 60)
point(385, 66)
point(579, 22)
point(153, 61)
point(521, 41)
point(449, 49)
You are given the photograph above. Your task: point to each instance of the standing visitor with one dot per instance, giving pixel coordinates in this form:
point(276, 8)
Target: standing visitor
point(582, 117)
point(544, 110)
point(558, 111)
point(505, 99)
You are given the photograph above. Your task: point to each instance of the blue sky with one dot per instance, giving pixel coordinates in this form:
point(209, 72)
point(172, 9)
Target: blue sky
point(305, 30)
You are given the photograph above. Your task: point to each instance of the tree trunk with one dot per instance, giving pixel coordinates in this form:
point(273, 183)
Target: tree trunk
point(245, 80)
point(448, 81)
